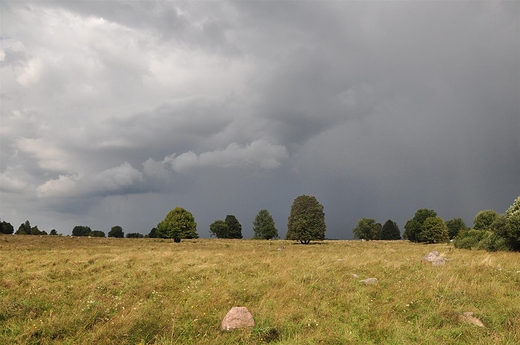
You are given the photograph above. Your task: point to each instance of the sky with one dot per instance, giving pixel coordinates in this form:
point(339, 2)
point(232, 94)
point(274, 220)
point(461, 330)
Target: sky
point(115, 112)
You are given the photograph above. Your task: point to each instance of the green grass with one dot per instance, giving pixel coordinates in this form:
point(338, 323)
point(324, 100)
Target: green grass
point(62, 290)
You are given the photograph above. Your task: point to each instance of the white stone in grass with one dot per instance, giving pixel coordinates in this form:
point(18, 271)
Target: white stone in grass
point(468, 317)
point(435, 258)
point(369, 281)
point(237, 317)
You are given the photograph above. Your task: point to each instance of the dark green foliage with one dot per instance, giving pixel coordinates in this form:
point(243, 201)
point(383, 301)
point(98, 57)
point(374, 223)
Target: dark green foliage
point(412, 228)
point(263, 226)
point(116, 231)
point(53, 232)
point(434, 230)
point(468, 239)
point(513, 230)
point(306, 220)
point(219, 228)
point(390, 231)
point(80, 230)
point(153, 233)
point(6, 228)
point(484, 219)
point(455, 226)
point(97, 233)
point(134, 235)
point(481, 239)
point(499, 225)
point(493, 231)
point(178, 224)
point(36, 231)
point(367, 229)
point(24, 228)
point(234, 226)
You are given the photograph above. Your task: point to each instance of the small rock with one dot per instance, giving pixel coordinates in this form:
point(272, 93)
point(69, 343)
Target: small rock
point(435, 258)
point(355, 275)
point(237, 317)
point(369, 281)
point(281, 248)
point(468, 317)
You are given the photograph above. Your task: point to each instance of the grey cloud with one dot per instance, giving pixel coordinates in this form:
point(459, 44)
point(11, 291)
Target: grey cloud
point(377, 108)
point(13, 57)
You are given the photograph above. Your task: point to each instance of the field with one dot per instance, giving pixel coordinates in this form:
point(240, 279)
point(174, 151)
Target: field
point(63, 290)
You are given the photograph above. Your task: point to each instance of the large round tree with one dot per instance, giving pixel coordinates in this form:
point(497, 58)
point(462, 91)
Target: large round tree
point(434, 230)
point(116, 231)
point(178, 224)
point(367, 229)
point(484, 219)
point(306, 220)
point(219, 228)
point(413, 227)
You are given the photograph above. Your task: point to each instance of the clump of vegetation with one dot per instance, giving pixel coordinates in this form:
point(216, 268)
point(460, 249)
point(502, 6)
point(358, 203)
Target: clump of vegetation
point(493, 231)
point(263, 226)
point(177, 224)
point(306, 220)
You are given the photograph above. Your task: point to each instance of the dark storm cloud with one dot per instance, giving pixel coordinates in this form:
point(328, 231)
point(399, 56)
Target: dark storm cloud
point(376, 108)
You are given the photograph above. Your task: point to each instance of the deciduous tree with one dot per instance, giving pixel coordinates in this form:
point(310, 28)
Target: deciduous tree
point(24, 228)
point(455, 226)
point(134, 235)
point(434, 230)
point(514, 208)
point(263, 226)
point(80, 230)
point(116, 231)
point(234, 226)
point(6, 228)
point(219, 228)
point(484, 219)
point(306, 220)
point(367, 229)
point(97, 233)
point(178, 224)
point(153, 233)
point(412, 228)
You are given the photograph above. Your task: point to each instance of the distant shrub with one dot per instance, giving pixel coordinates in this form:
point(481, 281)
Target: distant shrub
point(134, 235)
point(468, 239)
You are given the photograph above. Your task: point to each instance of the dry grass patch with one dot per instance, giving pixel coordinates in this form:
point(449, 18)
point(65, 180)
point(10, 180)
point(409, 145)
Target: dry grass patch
point(61, 290)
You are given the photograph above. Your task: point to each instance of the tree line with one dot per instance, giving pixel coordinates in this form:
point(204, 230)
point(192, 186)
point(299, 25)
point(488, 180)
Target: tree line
point(491, 230)
point(306, 222)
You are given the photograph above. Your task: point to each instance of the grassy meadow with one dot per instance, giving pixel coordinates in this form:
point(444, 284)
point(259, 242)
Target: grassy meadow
point(63, 290)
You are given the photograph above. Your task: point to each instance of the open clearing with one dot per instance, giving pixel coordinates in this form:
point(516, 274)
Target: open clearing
point(63, 290)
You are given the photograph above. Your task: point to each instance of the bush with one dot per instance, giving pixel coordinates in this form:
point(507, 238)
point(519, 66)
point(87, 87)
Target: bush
point(134, 235)
point(468, 239)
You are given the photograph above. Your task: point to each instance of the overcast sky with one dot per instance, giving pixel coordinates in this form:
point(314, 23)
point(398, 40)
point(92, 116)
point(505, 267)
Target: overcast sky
point(116, 112)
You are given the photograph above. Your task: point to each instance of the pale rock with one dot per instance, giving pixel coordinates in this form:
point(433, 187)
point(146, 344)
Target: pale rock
point(468, 317)
point(237, 317)
point(369, 281)
point(435, 258)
